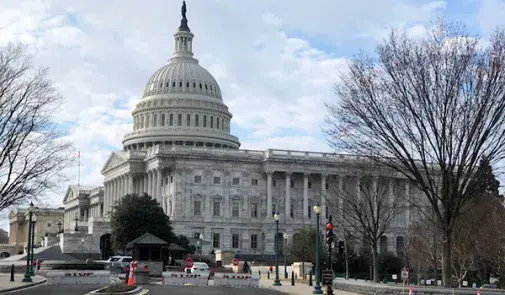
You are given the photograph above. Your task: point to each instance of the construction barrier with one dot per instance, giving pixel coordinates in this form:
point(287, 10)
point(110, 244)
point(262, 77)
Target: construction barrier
point(182, 278)
point(236, 280)
point(78, 277)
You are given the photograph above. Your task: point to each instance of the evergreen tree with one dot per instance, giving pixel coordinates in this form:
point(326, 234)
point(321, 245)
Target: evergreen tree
point(134, 216)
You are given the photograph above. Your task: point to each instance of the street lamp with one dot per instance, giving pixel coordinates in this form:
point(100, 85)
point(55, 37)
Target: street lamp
point(82, 249)
point(286, 236)
point(317, 286)
point(59, 226)
point(27, 278)
point(76, 219)
point(34, 218)
point(277, 282)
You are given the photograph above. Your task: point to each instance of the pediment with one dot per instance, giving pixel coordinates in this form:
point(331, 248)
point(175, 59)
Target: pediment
point(115, 159)
point(68, 195)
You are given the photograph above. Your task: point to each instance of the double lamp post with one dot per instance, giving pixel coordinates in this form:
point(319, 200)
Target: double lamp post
point(29, 246)
point(329, 240)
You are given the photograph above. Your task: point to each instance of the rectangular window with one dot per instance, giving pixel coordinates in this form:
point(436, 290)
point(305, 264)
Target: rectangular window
point(216, 237)
point(327, 186)
point(171, 119)
point(198, 179)
point(254, 210)
point(204, 120)
point(188, 120)
point(310, 185)
point(254, 182)
point(217, 180)
point(197, 208)
point(236, 181)
point(292, 211)
point(292, 184)
point(216, 208)
point(197, 121)
point(326, 212)
point(274, 183)
point(310, 211)
point(179, 119)
point(235, 241)
point(171, 179)
point(196, 235)
point(235, 209)
point(254, 241)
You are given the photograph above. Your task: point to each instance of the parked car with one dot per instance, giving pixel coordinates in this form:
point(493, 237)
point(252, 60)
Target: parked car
point(119, 262)
point(200, 268)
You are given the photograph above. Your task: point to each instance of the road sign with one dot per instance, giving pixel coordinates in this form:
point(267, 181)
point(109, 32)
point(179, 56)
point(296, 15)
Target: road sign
point(235, 261)
point(405, 273)
point(188, 262)
point(327, 279)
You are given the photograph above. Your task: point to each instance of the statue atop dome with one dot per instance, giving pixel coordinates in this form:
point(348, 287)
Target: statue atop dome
point(184, 20)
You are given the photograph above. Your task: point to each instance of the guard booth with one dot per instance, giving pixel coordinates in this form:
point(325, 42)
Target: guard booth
point(151, 251)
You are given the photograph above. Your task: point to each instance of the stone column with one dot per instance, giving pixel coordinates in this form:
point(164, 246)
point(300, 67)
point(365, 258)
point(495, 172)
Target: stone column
point(149, 184)
point(269, 194)
point(159, 174)
point(323, 196)
point(130, 183)
point(305, 196)
point(114, 194)
point(288, 195)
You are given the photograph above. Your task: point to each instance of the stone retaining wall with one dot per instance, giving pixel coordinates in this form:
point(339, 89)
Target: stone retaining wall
point(377, 289)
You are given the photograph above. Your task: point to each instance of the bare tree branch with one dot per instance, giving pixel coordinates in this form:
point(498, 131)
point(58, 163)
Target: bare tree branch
point(33, 153)
point(429, 109)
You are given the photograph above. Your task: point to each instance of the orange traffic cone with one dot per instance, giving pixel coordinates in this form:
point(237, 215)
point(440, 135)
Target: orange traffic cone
point(130, 277)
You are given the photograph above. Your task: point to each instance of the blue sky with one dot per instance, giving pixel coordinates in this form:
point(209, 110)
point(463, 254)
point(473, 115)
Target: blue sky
point(276, 61)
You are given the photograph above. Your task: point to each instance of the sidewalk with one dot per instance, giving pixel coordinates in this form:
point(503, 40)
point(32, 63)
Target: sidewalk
point(297, 289)
point(6, 285)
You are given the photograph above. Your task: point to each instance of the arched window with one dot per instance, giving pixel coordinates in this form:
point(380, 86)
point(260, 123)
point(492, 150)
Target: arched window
point(142, 121)
point(211, 122)
point(204, 120)
point(147, 120)
point(188, 119)
point(179, 119)
point(217, 123)
point(171, 119)
point(155, 119)
point(162, 119)
point(197, 122)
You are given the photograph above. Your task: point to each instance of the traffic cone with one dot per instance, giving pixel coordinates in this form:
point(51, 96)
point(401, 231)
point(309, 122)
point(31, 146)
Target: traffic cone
point(411, 290)
point(130, 277)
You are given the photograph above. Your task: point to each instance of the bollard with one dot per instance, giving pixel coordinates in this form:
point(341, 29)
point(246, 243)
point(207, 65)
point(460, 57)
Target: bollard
point(268, 275)
point(310, 278)
point(12, 273)
point(292, 278)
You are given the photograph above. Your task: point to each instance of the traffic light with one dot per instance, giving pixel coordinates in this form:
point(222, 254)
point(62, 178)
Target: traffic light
point(329, 231)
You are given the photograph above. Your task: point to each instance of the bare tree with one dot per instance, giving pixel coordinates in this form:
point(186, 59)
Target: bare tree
point(33, 154)
point(367, 210)
point(430, 109)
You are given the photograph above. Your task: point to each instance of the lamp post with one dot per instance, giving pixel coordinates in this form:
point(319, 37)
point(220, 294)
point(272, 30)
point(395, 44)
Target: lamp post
point(76, 219)
point(34, 218)
point(317, 286)
point(286, 236)
point(59, 226)
point(277, 282)
point(82, 249)
point(27, 278)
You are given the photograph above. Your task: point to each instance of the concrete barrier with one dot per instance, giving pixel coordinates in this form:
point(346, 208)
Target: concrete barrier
point(78, 277)
point(236, 280)
point(182, 278)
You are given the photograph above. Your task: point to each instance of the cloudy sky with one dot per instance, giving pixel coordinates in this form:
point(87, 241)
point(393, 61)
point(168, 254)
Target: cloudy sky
point(275, 60)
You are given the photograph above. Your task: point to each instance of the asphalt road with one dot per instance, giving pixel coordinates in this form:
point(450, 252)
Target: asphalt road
point(57, 290)
point(207, 290)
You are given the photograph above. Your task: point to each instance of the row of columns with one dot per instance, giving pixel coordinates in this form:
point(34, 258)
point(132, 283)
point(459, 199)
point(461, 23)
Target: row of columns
point(287, 207)
point(150, 182)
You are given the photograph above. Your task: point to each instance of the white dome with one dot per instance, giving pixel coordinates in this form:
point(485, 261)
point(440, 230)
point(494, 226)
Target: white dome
point(182, 75)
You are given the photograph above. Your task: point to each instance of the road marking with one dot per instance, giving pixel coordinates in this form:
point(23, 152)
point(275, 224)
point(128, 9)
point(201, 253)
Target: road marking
point(144, 291)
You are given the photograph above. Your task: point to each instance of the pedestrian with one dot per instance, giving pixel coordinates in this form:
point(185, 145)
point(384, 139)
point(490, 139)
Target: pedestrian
point(127, 272)
point(271, 269)
point(245, 267)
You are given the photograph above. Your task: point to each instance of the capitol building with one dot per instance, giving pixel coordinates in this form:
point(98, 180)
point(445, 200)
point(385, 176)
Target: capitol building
point(181, 152)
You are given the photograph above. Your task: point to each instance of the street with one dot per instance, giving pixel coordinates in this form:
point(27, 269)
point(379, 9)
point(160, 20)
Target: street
point(207, 290)
point(58, 290)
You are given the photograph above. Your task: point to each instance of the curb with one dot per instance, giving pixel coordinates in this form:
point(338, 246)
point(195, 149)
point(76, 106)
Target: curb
point(132, 292)
point(18, 288)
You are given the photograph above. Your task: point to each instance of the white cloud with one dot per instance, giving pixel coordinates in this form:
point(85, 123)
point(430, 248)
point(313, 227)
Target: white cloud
point(101, 54)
